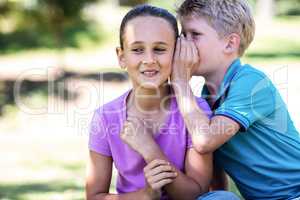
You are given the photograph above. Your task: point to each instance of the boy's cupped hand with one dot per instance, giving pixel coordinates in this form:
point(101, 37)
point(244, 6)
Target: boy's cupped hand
point(186, 59)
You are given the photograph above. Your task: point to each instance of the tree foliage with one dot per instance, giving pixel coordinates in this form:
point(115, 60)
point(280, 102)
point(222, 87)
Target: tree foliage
point(44, 23)
point(131, 2)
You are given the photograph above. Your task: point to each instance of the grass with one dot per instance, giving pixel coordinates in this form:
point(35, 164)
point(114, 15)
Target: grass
point(233, 188)
point(42, 167)
point(56, 189)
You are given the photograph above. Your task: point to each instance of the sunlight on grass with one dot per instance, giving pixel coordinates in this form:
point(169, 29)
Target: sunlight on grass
point(56, 190)
point(275, 43)
point(233, 188)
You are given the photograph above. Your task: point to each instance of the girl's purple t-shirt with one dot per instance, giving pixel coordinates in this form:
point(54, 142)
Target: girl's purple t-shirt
point(104, 138)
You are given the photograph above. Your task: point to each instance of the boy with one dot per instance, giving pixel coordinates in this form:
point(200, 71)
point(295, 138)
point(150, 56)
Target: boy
point(254, 137)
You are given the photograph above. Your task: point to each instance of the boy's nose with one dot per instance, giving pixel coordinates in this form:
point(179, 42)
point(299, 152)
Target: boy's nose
point(189, 37)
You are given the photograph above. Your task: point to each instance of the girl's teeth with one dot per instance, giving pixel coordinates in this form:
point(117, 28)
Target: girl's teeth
point(150, 73)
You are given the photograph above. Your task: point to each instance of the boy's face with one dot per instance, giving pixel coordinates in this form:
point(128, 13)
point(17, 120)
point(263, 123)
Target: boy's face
point(149, 44)
point(209, 45)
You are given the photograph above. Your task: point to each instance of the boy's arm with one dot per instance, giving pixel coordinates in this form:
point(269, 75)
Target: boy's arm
point(98, 180)
point(199, 168)
point(219, 180)
point(207, 134)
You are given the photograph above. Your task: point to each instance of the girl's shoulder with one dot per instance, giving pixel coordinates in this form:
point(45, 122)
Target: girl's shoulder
point(201, 100)
point(114, 107)
point(202, 103)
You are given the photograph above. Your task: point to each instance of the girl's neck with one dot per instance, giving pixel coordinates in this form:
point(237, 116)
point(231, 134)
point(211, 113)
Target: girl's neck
point(150, 101)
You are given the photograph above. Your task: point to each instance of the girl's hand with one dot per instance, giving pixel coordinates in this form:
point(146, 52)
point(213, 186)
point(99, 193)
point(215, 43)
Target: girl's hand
point(159, 173)
point(136, 136)
point(185, 60)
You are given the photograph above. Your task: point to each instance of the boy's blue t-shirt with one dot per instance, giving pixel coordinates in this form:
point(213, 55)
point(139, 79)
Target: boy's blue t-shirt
point(263, 158)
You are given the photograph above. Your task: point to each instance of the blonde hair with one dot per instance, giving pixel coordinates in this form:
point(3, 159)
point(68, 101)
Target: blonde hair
point(225, 16)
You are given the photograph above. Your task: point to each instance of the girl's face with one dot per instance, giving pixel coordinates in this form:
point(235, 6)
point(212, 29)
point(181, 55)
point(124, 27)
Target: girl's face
point(148, 46)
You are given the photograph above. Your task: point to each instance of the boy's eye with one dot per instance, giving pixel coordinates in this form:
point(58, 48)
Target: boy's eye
point(196, 33)
point(159, 49)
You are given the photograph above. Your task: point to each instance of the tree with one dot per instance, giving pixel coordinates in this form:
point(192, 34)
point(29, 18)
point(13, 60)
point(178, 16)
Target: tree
point(58, 14)
point(288, 8)
point(44, 23)
point(131, 2)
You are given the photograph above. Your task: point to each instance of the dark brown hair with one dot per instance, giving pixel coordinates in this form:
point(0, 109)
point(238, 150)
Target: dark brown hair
point(147, 10)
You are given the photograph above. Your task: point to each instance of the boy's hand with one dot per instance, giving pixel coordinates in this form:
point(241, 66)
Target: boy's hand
point(159, 173)
point(135, 135)
point(185, 60)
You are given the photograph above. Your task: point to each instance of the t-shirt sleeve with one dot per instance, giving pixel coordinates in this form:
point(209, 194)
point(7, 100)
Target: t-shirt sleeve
point(189, 141)
point(250, 98)
point(202, 103)
point(98, 137)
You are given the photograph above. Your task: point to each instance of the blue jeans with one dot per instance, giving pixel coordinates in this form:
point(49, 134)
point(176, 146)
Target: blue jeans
point(219, 195)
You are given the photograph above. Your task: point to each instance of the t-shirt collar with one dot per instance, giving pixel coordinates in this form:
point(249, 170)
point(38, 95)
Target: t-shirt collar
point(231, 71)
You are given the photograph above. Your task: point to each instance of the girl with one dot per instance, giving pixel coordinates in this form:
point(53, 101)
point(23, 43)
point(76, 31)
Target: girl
point(142, 132)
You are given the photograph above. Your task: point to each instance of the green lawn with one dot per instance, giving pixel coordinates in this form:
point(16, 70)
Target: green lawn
point(42, 167)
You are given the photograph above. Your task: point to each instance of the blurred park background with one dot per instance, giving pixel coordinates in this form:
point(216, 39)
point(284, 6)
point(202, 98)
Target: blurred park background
point(58, 63)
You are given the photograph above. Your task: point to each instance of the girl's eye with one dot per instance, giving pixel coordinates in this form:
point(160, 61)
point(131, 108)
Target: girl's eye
point(137, 50)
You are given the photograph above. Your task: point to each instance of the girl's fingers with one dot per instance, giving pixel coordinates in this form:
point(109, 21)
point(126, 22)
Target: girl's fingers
point(154, 164)
point(134, 122)
point(132, 119)
point(158, 173)
point(159, 169)
point(161, 176)
point(130, 127)
point(160, 184)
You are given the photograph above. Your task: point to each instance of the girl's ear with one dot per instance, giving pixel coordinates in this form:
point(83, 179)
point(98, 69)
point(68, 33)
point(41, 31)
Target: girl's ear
point(232, 43)
point(121, 59)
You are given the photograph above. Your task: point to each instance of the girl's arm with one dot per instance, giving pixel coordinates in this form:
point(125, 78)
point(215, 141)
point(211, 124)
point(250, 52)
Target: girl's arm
point(196, 179)
point(98, 180)
point(186, 186)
